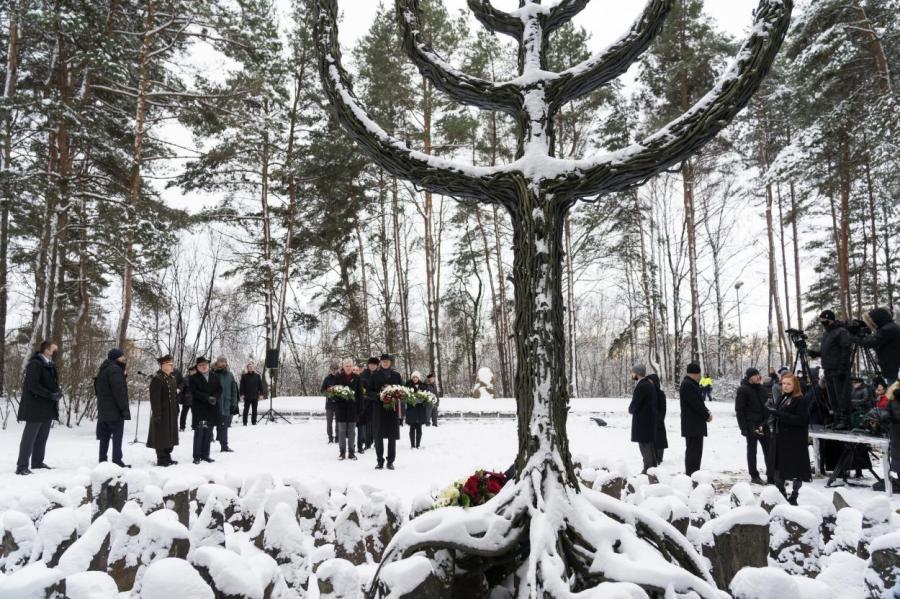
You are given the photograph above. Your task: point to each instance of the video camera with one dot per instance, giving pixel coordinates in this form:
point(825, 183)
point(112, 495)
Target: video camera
point(798, 338)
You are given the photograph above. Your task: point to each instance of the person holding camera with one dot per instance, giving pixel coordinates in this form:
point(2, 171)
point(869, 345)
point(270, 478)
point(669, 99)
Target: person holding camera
point(885, 340)
point(752, 414)
point(835, 357)
point(39, 407)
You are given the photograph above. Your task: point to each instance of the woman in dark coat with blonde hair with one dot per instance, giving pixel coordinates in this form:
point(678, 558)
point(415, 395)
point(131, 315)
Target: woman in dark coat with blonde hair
point(791, 453)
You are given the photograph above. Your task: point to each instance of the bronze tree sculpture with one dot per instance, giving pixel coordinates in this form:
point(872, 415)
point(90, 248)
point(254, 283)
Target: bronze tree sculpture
point(543, 536)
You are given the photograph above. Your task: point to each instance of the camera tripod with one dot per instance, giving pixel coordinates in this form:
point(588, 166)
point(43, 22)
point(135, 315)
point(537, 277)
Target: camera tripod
point(273, 415)
point(808, 381)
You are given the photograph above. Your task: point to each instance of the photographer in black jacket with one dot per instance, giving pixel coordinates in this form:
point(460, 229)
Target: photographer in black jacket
point(885, 340)
point(752, 416)
point(835, 357)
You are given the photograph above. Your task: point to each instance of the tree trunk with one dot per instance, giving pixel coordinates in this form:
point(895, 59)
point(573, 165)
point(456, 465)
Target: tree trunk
point(496, 307)
point(795, 212)
point(844, 233)
point(571, 310)
point(389, 334)
point(365, 289)
point(687, 173)
point(402, 288)
point(876, 48)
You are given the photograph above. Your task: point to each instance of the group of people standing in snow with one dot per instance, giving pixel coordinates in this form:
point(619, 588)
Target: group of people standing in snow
point(210, 394)
point(358, 424)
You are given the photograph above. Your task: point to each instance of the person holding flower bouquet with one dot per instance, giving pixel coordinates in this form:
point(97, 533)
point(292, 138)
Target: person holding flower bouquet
point(346, 395)
point(388, 417)
point(416, 409)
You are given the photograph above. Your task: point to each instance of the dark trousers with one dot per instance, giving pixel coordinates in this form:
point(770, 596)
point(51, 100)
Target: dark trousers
point(693, 454)
point(659, 455)
point(329, 417)
point(434, 415)
point(763, 442)
point(379, 449)
point(183, 417)
point(250, 406)
point(415, 435)
point(648, 455)
point(33, 443)
point(163, 456)
point(222, 431)
point(780, 483)
point(838, 385)
point(202, 441)
point(105, 432)
point(360, 437)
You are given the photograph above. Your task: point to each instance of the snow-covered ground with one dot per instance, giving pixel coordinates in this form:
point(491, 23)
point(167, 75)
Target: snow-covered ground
point(471, 437)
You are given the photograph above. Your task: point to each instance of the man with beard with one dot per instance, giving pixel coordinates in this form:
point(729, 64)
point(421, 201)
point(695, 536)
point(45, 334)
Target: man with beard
point(163, 434)
point(38, 408)
point(228, 402)
point(252, 389)
point(694, 417)
point(387, 421)
point(205, 392)
point(643, 409)
point(112, 405)
point(835, 361)
point(752, 416)
point(346, 411)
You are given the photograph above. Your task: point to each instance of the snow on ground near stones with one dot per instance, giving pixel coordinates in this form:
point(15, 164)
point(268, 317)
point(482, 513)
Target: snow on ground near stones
point(453, 450)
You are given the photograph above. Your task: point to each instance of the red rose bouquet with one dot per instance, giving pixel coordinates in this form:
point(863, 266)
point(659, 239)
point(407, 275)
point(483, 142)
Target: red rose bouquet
point(478, 489)
point(392, 396)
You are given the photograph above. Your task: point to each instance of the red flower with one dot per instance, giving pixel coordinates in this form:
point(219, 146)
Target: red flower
point(471, 487)
point(493, 487)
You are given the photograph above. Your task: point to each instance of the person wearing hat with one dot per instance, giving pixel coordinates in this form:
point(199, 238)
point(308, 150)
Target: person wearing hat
point(112, 405)
point(387, 422)
point(752, 417)
point(885, 340)
point(370, 403)
point(835, 357)
point(643, 410)
point(330, 404)
point(163, 433)
point(694, 417)
point(206, 390)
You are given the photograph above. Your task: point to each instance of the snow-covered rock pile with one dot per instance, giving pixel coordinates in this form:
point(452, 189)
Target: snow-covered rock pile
point(110, 531)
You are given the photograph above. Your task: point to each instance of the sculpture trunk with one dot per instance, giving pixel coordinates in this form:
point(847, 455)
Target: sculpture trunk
point(540, 385)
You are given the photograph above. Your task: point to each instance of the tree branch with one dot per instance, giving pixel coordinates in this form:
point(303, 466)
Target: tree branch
point(497, 20)
point(605, 66)
point(504, 97)
point(562, 13)
point(434, 173)
point(684, 136)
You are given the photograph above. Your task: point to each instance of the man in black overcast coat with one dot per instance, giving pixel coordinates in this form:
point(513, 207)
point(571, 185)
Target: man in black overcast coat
point(112, 405)
point(387, 422)
point(752, 415)
point(643, 416)
point(251, 389)
point(206, 389)
point(694, 417)
point(38, 408)
point(885, 340)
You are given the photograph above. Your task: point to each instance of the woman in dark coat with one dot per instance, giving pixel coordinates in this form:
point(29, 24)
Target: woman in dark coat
point(791, 458)
point(163, 434)
point(643, 416)
point(662, 439)
point(416, 416)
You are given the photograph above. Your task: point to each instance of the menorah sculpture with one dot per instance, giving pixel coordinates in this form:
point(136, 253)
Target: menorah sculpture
point(542, 535)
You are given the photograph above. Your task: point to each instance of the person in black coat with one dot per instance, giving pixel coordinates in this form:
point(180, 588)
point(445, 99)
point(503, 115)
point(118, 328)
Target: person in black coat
point(205, 392)
point(184, 397)
point(835, 357)
point(346, 412)
point(38, 408)
point(885, 340)
point(643, 409)
point(752, 417)
point(791, 440)
point(431, 381)
point(330, 404)
point(163, 433)
point(416, 416)
point(662, 437)
point(893, 411)
point(370, 403)
point(694, 417)
point(112, 405)
point(387, 421)
point(251, 389)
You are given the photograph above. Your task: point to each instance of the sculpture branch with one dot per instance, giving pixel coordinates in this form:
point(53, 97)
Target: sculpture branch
point(433, 173)
point(496, 20)
point(605, 66)
point(562, 13)
point(684, 136)
point(504, 97)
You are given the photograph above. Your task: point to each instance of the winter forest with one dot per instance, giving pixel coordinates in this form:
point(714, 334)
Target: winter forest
point(173, 180)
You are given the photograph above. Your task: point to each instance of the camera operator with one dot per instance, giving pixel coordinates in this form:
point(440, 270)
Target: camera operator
point(885, 340)
point(835, 357)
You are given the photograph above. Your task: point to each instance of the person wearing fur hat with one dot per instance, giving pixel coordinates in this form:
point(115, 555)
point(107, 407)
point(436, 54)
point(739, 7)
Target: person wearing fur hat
point(112, 405)
point(205, 393)
point(752, 417)
point(885, 340)
point(694, 417)
point(416, 416)
point(163, 433)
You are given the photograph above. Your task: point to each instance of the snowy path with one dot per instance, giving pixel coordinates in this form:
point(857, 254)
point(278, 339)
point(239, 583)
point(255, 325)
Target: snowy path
point(453, 450)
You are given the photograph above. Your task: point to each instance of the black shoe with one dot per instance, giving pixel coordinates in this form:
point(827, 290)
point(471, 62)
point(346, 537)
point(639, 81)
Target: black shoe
point(172, 463)
point(390, 466)
point(330, 440)
point(121, 464)
point(23, 471)
point(208, 460)
point(379, 467)
point(756, 481)
point(227, 450)
point(352, 457)
point(41, 466)
point(196, 460)
point(341, 456)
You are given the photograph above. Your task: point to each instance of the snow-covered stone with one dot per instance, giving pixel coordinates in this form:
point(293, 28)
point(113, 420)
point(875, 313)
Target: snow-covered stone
point(847, 531)
point(882, 576)
point(770, 497)
point(876, 521)
point(795, 540)
point(769, 583)
point(90, 551)
point(338, 579)
point(170, 578)
point(226, 573)
point(91, 585)
point(34, 581)
point(18, 537)
point(736, 540)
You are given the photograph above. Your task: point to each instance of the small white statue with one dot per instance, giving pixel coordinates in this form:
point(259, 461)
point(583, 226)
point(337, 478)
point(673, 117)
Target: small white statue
point(484, 387)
